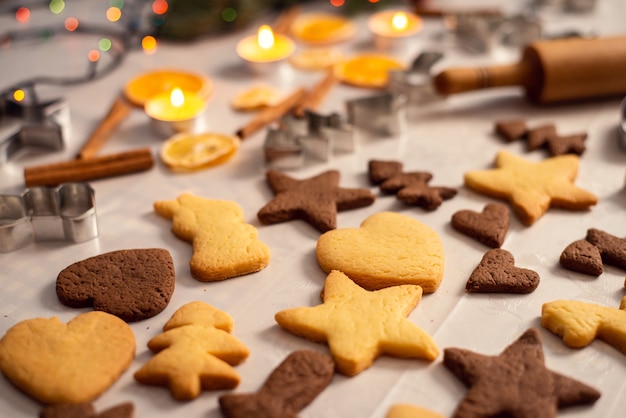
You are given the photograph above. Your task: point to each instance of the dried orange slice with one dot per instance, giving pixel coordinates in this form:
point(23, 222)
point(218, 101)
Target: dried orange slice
point(314, 59)
point(138, 90)
point(367, 70)
point(189, 152)
point(255, 98)
point(322, 28)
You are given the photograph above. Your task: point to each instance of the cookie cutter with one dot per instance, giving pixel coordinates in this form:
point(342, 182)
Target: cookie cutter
point(41, 126)
point(383, 114)
point(316, 135)
point(416, 82)
point(63, 213)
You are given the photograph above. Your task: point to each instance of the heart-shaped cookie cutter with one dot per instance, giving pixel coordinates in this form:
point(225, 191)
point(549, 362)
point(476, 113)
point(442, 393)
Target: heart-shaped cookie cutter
point(63, 213)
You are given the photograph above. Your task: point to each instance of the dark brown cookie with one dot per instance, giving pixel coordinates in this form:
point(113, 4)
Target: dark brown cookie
point(288, 389)
point(131, 284)
point(570, 144)
point(87, 410)
point(583, 257)
point(488, 227)
point(497, 273)
point(514, 383)
point(612, 248)
point(411, 188)
point(380, 171)
point(511, 130)
point(539, 136)
point(315, 200)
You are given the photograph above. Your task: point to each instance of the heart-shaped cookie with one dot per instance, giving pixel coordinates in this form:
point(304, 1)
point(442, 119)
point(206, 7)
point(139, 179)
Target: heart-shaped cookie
point(388, 249)
point(488, 227)
point(583, 257)
point(497, 273)
point(67, 363)
point(131, 284)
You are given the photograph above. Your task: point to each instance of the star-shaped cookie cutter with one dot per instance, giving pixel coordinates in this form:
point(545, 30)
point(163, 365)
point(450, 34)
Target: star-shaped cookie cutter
point(63, 213)
point(381, 115)
point(316, 135)
point(416, 82)
point(36, 125)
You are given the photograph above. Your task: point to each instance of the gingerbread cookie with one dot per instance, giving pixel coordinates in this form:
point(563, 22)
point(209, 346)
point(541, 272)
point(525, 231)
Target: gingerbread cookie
point(488, 227)
point(579, 323)
point(514, 383)
point(411, 188)
point(511, 129)
point(292, 386)
point(87, 410)
point(497, 273)
point(224, 246)
point(359, 325)
point(131, 284)
point(193, 354)
point(75, 362)
point(612, 248)
point(532, 188)
point(583, 257)
point(539, 136)
point(388, 249)
point(315, 200)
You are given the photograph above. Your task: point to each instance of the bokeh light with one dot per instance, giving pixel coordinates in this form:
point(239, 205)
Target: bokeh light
point(71, 24)
point(229, 14)
point(149, 44)
point(56, 6)
point(114, 14)
point(22, 14)
point(19, 95)
point(159, 7)
point(104, 44)
point(337, 3)
point(93, 55)
point(116, 3)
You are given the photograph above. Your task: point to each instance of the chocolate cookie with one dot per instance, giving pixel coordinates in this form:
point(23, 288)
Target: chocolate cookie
point(87, 410)
point(488, 227)
point(514, 383)
point(511, 129)
point(612, 248)
point(131, 284)
point(497, 273)
point(315, 200)
point(583, 257)
point(539, 136)
point(289, 388)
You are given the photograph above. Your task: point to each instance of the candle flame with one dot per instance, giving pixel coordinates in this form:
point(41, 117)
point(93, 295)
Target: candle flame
point(399, 21)
point(177, 97)
point(265, 37)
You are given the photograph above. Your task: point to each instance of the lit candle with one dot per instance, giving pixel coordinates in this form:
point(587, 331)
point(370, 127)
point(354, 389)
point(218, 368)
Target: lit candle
point(266, 47)
point(393, 27)
point(175, 112)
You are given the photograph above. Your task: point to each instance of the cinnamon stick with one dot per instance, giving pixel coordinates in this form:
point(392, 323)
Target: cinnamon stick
point(272, 113)
point(89, 169)
point(117, 113)
point(317, 93)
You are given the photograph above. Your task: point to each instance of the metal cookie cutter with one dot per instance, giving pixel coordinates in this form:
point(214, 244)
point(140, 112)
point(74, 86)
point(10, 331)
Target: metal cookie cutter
point(416, 82)
point(384, 114)
point(41, 125)
point(63, 213)
point(312, 135)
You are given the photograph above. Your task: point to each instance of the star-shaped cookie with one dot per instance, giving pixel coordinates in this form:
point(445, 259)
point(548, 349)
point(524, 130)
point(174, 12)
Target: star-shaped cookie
point(360, 325)
point(514, 383)
point(532, 187)
point(315, 200)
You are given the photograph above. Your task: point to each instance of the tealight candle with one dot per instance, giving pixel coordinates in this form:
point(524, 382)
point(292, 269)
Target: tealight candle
point(266, 48)
point(393, 27)
point(175, 112)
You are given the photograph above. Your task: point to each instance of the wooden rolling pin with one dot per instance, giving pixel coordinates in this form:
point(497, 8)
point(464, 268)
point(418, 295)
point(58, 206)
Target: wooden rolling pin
point(551, 71)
